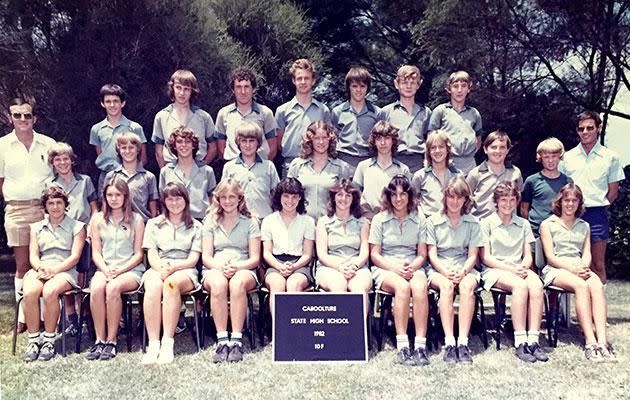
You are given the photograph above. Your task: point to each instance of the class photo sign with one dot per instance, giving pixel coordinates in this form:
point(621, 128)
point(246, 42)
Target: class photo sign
point(319, 327)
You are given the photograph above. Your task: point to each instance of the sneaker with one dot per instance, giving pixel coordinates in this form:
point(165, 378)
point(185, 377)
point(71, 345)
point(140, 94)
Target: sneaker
point(95, 351)
point(463, 354)
point(592, 354)
point(109, 352)
point(236, 354)
point(535, 350)
point(166, 355)
point(403, 357)
point(420, 356)
point(221, 354)
point(31, 353)
point(47, 351)
point(524, 355)
point(606, 355)
point(181, 324)
point(151, 356)
point(71, 330)
point(450, 355)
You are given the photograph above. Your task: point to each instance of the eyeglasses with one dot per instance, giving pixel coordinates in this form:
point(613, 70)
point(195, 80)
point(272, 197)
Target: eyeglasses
point(17, 115)
point(589, 128)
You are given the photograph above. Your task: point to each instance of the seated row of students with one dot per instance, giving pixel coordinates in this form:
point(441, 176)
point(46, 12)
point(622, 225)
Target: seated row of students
point(401, 240)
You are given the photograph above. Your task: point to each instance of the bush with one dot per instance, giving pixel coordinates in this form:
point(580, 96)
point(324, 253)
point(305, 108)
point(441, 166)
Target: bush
point(618, 253)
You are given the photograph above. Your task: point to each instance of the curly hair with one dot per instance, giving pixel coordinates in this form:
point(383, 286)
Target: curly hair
point(383, 128)
point(291, 186)
point(556, 205)
point(59, 149)
point(128, 137)
point(344, 185)
point(505, 189)
point(186, 134)
point(311, 131)
point(391, 188)
point(54, 192)
point(215, 213)
point(242, 74)
point(457, 186)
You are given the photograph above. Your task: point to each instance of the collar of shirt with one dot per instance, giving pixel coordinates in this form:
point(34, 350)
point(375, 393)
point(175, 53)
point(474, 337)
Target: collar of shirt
point(124, 121)
point(441, 218)
point(416, 107)
point(413, 217)
point(139, 169)
point(347, 106)
point(483, 167)
point(597, 149)
point(37, 137)
point(293, 102)
point(65, 224)
point(556, 219)
point(170, 108)
point(335, 218)
point(374, 160)
point(239, 159)
point(255, 108)
point(450, 105)
point(494, 221)
point(451, 168)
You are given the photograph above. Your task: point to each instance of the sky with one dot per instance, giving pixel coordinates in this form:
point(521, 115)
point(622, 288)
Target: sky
point(618, 130)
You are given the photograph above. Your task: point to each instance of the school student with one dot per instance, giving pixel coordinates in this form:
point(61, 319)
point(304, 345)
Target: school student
point(231, 255)
point(399, 254)
point(117, 234)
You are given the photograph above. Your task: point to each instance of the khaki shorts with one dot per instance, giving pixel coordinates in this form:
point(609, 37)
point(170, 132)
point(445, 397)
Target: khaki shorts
point(18, 215)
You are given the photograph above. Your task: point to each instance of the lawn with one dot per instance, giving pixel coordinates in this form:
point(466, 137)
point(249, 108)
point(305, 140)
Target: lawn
point(495, 374)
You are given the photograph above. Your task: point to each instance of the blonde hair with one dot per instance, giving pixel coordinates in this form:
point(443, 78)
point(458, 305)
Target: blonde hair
point(408, 72)
point(458, 76)
point(246, 130)
point(457, 186)
point(215, 213)
point(302, 63)
point(128, 138)
point(58, 149)
point(549, 146)
point(437, 136)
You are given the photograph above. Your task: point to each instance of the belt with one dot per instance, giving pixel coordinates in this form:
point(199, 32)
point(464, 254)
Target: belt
point(34, 202)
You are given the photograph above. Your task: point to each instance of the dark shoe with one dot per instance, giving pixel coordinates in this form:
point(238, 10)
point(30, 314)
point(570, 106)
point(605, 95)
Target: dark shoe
point(538, 352)
point(592, 354)
point(450, 355)
point(31, 353)
point(221, 354)
point(524, 355)
point(403, 357)
point(181, 324)
point(47, 351)
point(420, 357)
point(109, 352)
point(95, 351)
point(236, 354)
point(463, 354)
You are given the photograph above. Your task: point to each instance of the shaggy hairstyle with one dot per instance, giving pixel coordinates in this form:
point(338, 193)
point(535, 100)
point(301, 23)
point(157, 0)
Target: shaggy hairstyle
point(112, 89)
point(246, 130)
point(383, 128)
point(291, 186)
point(344, 185)
point(458, 76)
point(549, 146)
point(21, 100)
point(128, 138)
point(433, 138)
point(186, 134)
point(302, 63)
point(242, 74)
point(505, 189)
point(215, 213)
point(457, 186)
point(175, 189)
point(119, 184)
point(186, 78)
point(408, 72)
point(307, 139)
point(390, 190)
point(358, 75)
point(497, 135)
point(556, 205)
point(589, 115)
point(58, 149)
point(54, 192)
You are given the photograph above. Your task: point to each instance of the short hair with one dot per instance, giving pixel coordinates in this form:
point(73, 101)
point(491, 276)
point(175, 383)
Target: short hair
point(215, 213)
point(131, 138)
point(497, 135)
point(184, 133)
point(358, 75)
point(383, 128)
point(183, 77)
point(21, 100)
point(504, 189)
point(302, 63)
point(119, 184)
point(457, 186)
point(556, 204)
point(390, 189)
point(549, 146)
point(292, 186)
point(344, 185)
point(242, 74)
point(408, 72)
point(58, 149)
point(583, 116)
point(54, 192)
point(176, 189)
point(459, 76)
point(247, 130)
point(112, 89)
point(307, 139)
point(437, 136)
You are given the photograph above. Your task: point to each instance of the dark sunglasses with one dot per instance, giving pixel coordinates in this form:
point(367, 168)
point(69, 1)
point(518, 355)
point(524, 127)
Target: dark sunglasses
point(17, 115)
point(585, 128)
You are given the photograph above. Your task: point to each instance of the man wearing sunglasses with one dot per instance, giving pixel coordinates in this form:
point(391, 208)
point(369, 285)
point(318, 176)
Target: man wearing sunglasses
point(597, 171)
point(23, 170)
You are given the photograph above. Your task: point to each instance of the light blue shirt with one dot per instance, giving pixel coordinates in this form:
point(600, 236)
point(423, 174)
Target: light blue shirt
point(344, 238)
point(567, 242)
point(287, 239)
point(398, 239)
point(200, 185)
point(104, 135)
point(55, 243)
point(371, 178)
point(172, 242)
point(229, 118)
point(412, 127)
point(354, 127)
point(483, 181)
point(430, 188)
point(453, 244)
point(142, 188)
point(117, 240)
point(506, 241)
point(293, 120)
point(232, 245)
point(81, 192)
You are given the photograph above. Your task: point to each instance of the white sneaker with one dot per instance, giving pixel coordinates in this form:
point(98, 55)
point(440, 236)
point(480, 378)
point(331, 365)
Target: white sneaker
point(151, 356)
point(166, 355)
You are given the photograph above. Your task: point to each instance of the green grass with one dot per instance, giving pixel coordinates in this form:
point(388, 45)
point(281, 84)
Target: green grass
point(495, 374)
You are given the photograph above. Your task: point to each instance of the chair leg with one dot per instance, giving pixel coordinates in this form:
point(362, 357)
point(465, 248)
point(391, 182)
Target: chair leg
point(62, 317)
point(128, 305)
point(547, 318)
point(196, 317)
point(556, 321)
point(482, 317)
point(252, 322)
point(498, 317)
point(15, 323)
point(80, 312)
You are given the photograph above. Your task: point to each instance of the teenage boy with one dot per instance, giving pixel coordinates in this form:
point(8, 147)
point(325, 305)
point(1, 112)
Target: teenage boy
point(257, 177)
point(24, 170)
point(485, 177)
point(409, 118)
point(597, 171)
point(183, 89)
point(103, 134)
point(295, 116)
point(243, 86)
point(373, 174)
point(461, 123)
point(355, 118)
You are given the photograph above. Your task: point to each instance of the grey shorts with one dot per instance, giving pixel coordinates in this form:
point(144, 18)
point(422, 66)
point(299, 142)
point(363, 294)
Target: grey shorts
point(548, 275)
